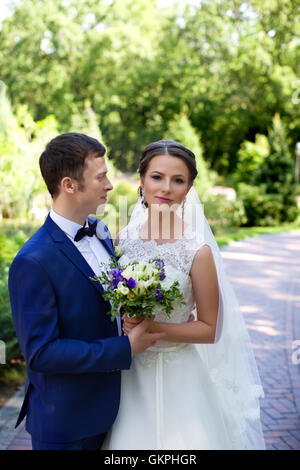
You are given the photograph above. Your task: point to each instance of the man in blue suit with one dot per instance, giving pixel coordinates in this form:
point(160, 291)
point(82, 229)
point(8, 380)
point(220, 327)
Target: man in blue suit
point(74, 352)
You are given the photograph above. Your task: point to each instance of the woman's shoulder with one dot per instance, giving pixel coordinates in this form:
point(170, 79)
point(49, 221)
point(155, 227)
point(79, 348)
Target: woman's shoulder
point(203, 260)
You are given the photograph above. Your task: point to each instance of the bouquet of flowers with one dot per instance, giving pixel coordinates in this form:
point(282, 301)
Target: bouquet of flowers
point(138, 287)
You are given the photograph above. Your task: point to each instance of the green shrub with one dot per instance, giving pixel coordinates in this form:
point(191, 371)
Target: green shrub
point(276, 175)
point(121, 200)
point(222, 213)
point(250, 157)
point(262, 209)
point(11, 240)
point(7, 331)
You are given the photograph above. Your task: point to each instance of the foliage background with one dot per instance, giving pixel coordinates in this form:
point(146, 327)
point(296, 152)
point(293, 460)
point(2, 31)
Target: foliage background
point(221, 76)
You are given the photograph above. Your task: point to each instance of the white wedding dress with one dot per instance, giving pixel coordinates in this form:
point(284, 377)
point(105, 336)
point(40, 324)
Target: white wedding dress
point(169, 397)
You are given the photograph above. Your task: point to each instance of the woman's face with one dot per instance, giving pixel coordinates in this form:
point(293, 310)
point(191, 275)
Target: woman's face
point(166, 180)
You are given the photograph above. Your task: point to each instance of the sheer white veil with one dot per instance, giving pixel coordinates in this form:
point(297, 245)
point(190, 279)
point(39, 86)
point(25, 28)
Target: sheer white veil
point(230, 359)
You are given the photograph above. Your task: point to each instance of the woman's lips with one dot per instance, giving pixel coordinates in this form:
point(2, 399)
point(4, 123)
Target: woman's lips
point(163, 199)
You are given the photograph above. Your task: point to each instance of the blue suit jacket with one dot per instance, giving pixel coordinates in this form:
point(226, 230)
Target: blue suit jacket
point(72, 349)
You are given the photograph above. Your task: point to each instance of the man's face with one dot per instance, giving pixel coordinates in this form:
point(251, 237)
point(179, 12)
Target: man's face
point(92, 191)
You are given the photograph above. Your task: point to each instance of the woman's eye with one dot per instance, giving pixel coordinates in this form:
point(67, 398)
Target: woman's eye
point(156, 177)
point(179, 180)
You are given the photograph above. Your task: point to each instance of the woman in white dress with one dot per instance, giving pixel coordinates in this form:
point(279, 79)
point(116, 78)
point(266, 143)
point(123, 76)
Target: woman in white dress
point(199, 388)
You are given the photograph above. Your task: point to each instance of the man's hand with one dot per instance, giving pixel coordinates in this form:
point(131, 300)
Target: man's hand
point(140, 339)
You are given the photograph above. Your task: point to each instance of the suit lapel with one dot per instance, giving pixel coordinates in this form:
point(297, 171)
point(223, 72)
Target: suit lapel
point(70, 251)
point(103, 236)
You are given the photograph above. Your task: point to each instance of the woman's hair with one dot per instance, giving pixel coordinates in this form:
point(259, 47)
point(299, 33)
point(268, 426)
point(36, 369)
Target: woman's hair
point(168, 147)
point(66, 155)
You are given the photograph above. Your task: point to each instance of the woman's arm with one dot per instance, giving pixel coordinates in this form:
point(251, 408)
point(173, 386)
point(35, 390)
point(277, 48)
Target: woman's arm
point(206, 293)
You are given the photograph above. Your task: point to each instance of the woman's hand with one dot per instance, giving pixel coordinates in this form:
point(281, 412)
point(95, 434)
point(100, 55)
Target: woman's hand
point(130, 322)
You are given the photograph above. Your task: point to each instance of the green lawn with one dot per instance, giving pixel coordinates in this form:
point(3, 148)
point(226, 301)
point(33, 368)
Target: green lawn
point(245, 232)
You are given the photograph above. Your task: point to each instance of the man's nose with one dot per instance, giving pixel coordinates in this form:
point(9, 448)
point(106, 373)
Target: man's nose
point(108, 186)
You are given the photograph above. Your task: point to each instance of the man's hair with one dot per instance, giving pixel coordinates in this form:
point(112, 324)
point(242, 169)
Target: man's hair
point(65, 155)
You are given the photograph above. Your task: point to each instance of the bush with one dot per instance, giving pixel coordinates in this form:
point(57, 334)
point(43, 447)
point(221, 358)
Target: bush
point(263, 209)
point(123, 198)
point(222, 213)
point(250, 157)
point(11, 240)
point(7, 330)
point(276, 175)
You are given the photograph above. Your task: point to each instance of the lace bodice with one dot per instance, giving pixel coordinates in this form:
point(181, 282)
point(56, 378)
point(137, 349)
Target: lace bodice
point(177, 256)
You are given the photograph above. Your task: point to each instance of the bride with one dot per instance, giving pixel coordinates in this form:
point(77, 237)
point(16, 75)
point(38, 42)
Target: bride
point(199, 388)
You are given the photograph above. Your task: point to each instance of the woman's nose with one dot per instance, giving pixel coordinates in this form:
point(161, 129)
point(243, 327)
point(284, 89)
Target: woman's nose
point(166, 185)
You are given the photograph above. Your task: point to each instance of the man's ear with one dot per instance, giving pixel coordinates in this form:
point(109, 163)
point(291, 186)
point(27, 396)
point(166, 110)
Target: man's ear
point(68, 185)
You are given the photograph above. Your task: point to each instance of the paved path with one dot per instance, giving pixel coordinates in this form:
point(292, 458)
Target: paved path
point(265, 272)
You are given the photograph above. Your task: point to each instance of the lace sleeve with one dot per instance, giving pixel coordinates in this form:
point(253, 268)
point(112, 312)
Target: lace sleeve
point(189, 253)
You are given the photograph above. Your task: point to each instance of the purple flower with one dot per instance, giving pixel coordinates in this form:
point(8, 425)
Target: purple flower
point(114, 282)
point(116, 272)
point(117, 275)
point(131, 283)
point(158, 294)
point(160, 264)
point(163, 276)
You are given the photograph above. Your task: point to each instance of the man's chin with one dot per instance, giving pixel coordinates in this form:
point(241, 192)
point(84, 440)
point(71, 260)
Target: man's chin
point(100, 209)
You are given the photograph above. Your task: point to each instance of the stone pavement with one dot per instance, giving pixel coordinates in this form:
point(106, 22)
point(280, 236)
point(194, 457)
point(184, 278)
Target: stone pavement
point(265, 273)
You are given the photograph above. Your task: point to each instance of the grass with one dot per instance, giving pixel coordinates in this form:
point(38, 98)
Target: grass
point(227, 236)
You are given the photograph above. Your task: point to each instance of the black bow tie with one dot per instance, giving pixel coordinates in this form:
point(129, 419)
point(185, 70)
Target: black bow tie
point(83, 231)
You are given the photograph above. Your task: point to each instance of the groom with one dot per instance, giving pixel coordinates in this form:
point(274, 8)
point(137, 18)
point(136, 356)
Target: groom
point(74, 352)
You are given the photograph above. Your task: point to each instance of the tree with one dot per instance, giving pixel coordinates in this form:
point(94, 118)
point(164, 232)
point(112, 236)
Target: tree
point(21, 142)
point(181, 130)
point(229, 64)
point(250, 157)
point(276, 173)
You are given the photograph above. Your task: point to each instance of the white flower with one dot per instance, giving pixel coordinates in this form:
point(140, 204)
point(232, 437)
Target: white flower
point(124, 260)
point(118, 251)
point(148, 283)
point(140, 288)
point(127, 273)
point(122, 289)
point(140, 266)
point(150, 270)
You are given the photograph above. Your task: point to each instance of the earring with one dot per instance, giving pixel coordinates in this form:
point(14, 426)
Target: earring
point(144, 202)
point(182, 209)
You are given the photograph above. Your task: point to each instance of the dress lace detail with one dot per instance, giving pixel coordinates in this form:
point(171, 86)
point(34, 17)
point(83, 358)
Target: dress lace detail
point(177, 256)
point(189, 398)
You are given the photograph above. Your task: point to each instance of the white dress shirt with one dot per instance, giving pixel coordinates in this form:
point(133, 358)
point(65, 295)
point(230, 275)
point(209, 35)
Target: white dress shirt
point(91, 248)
